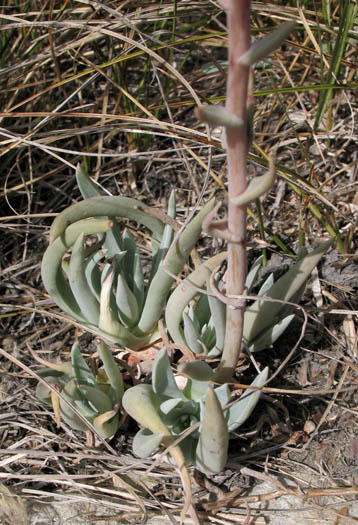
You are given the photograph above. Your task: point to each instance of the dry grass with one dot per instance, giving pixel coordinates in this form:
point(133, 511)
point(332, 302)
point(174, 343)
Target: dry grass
point(114, 85)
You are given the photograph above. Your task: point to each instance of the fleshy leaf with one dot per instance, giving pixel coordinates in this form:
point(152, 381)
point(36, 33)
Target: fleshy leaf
point(202, 310)
point(108, 206)
point(184, 293)
point(107, 321)
point(86, 300)
point(162, 377)
point(82, 372)
point(253, 273)
point(111, 368)
point(53, 378)
point(109, 324)
point(188, 447)
point(128, 262)
point(106, 424)
point(170, 404)
point(145, 443)
point(264, 314)
point(88, 189)
point(69, 393)
point(269, 282)
point(138, 281)
point(142, 404)
point(93, 274)
point(223, 394)
point(271, 335)
point(257, 186)
point(196, 370)
point(191, 334)
point(218, 317)
point(218, 116)
point(95, 398)
point(212, 449)
point(239, 412)
point(195, 390)
point(261, 48)
point(51, 267)
point(126, 302)
point(177, 256)
point(167, 238)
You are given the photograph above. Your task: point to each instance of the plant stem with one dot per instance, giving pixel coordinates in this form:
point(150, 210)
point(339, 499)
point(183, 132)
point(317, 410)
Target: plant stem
point(237, 150)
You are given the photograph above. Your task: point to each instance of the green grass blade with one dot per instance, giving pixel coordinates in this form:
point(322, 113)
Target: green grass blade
point(346, 20)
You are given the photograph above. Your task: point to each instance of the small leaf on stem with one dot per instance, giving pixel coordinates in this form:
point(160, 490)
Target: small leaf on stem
point(264, 46)
point(218, 116)
point(257, 187)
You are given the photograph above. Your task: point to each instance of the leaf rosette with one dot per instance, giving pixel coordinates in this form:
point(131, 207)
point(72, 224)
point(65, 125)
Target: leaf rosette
point(101, 284)
point(96, 397)
point(165, 411)
point(198, 320)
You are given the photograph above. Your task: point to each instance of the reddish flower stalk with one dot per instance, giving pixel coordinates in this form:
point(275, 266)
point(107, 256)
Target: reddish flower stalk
point(237, 148)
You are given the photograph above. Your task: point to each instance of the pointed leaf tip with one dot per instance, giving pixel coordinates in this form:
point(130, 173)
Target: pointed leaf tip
point(261, 48)
point(257, 186)
point(212, 449)
point(162, 376)
point(242, 409)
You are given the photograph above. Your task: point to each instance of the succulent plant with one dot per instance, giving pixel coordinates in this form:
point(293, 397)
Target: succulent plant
point(103, 285)
point(164, 411)
point(201, 326)
point(96, 397)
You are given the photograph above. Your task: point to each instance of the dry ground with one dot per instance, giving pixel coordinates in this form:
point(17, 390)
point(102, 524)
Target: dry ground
point(112, 85)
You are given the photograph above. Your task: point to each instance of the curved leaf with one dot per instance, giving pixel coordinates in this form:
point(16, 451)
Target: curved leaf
point(174, 262)
point(88, 189)
point(145, 443)
point(109, 206)
point(87, 302)
point(107, 423)
point(184, 293)
point(51, 271)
